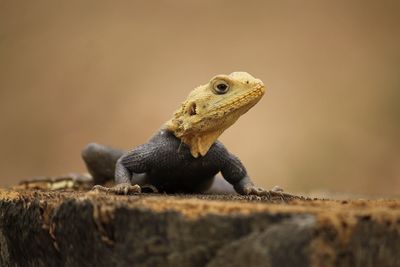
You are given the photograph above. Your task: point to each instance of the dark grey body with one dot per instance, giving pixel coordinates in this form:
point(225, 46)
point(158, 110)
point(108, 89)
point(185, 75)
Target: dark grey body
point(167, 164)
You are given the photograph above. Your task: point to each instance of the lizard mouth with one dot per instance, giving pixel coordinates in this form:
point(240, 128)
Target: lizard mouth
point(246, 100)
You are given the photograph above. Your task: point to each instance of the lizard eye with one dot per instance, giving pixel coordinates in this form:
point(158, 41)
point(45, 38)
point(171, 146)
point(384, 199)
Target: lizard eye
point(221, 87)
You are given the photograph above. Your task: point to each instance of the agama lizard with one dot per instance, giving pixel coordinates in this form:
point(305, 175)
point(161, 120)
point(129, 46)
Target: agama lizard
point(185, 155)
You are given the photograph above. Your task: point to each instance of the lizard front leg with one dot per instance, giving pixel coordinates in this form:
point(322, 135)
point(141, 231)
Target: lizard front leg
point(130, 171)
point(123, 182)
point(235, 173)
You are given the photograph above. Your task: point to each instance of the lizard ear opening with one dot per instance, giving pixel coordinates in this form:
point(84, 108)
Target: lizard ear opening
point(192, 109)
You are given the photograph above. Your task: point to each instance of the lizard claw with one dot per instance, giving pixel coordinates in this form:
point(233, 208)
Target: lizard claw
point(254, 190)
point(100, 188)
point(119, 189)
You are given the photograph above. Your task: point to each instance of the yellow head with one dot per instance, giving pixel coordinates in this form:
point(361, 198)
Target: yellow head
point(211, 108)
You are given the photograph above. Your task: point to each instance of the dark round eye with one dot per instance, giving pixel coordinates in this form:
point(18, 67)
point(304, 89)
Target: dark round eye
point(221, 87)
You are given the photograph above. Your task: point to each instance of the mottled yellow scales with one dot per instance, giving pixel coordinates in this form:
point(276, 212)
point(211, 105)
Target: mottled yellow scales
point(211, 108)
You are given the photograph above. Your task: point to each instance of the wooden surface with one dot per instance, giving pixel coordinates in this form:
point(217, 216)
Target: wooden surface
point(76, 228)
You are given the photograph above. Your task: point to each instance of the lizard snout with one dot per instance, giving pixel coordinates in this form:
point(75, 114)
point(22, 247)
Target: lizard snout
point(260, 85)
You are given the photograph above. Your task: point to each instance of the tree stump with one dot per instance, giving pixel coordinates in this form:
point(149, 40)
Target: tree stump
point(79, 228)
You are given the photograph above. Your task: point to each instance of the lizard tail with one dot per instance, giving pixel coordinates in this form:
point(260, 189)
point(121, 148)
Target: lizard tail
point(100, 161)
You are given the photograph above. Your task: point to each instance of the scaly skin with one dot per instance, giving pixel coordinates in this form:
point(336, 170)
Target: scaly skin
point(206, 113)
point(184, 156)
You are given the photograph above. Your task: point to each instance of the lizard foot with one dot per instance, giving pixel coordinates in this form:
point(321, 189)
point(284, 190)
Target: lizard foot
point(276, 193)
point(119, 189)
point(254, 190)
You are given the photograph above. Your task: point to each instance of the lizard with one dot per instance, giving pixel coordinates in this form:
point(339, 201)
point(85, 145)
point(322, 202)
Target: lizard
point(185, 155)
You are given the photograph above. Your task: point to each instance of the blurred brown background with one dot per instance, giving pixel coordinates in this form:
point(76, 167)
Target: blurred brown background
point(73, 72)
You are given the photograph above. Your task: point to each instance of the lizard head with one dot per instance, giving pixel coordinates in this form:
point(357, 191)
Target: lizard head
point(211, 108)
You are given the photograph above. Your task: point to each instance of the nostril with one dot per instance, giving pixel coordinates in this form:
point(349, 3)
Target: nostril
point(192, 109)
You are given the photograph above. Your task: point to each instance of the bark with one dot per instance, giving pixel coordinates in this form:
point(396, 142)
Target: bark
point(69, 228)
